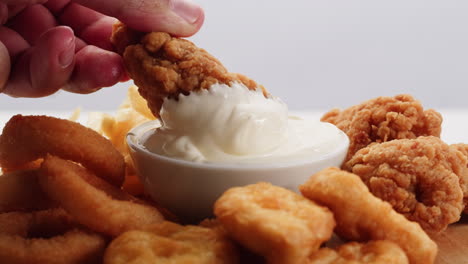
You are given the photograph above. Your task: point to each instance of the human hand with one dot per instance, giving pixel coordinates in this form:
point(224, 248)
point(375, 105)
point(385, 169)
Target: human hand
point(65, 44)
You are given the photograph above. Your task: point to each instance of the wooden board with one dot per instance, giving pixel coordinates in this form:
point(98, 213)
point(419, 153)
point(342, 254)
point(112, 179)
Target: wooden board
point(453, 243)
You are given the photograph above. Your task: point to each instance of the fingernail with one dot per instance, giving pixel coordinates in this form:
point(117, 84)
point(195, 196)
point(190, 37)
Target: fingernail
point(187, 10)
point(67, 56)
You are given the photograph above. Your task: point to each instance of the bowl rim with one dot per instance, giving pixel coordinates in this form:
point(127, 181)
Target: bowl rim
point(132, 136)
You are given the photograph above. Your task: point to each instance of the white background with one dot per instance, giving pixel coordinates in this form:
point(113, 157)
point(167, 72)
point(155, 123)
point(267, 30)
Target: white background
point(323, 54)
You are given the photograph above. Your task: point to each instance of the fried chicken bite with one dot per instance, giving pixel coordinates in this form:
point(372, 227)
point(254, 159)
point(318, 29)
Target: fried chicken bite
point(373, 252)
point(165, 66)
point(361, 216)
point(172, 243)
point(418, 177)
point(274, 222)
point(383, 119)
point(463, 148)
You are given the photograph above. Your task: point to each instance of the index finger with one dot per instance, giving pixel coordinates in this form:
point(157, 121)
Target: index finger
point(22, 2)
point(177, 17)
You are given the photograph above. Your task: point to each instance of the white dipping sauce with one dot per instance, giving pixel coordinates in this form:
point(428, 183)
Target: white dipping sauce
point(232, 124)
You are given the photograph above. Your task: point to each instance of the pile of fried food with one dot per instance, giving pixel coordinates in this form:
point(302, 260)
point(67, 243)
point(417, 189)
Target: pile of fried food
point(69, 194)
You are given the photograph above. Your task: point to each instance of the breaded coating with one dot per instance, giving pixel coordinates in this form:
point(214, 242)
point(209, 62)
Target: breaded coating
point(373, 252)
point(28, 138)
point(92, 201)
point(274, 222)
point(172, 243)
point(383, 119)
point(20, 191)
point(418, 177)
point(164, 66)
point(361, 216)
point(463, 148)
point(47, 237)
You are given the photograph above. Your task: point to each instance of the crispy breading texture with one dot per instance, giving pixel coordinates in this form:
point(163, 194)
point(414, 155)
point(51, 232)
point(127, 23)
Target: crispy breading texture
point(373, 252)
point(93, 202)
point(164, 66)
point(47, 237)
point(418, 177)
point(28, 138)
point(274, 222)
point(172, 243)
point(361, 216)
point(383, 119)
point(463, 148)
point(20, 191)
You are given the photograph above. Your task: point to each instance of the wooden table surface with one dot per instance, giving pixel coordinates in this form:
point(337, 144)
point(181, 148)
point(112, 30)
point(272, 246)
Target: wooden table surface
point(453, 243)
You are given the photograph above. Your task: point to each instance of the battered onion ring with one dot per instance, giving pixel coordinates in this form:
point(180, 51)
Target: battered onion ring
point(373, 252)
point(274, 222)
point(20, 191)
point(418, 177)
point(172, 243)
point(92, 201)
point(47, 237)
point(361, 216)
point(28, 138)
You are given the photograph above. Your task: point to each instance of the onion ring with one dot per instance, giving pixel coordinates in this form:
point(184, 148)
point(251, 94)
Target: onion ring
point(92, 201)
point(47, 237)
point(20, 191)
point(28, 138)
point(361, 216)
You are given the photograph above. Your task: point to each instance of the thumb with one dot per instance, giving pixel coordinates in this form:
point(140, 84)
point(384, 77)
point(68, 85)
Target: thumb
point(178, 17)
point(4, 66)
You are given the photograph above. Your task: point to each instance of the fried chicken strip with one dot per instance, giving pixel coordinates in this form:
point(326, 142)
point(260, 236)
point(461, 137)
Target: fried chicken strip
point(419, 177)
point(361, 216)
point(383, 119)
point(164, 66)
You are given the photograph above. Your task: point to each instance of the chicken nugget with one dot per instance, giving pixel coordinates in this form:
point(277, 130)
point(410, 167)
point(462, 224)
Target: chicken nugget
point(373, 252)
point(172, 243)
point(274, 222)
point(463, 148)
point(383, 119)
point(361, 216)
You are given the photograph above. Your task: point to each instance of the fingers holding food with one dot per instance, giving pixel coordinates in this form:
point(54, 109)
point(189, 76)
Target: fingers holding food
point(92, 201)
point(164, 66)
point(47, 237)
point(373, 252)
point(361, 216)
point(419, 177)
point(383, 119)
point(274, 222)
point(28, 138)
point(168, 242)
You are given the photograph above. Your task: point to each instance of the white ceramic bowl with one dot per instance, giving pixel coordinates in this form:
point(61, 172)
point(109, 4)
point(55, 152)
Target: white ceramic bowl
point(189, 189)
